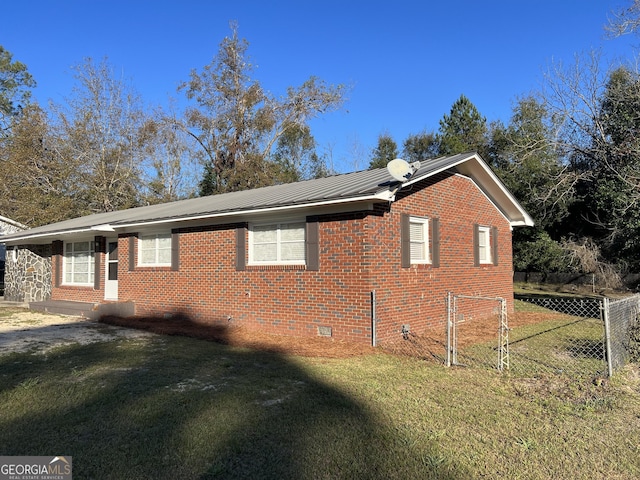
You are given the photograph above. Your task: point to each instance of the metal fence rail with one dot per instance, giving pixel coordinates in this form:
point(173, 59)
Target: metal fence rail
point(477, 332)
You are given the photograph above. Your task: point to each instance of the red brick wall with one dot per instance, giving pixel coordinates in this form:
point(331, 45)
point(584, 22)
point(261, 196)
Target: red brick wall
point(417, 295)
point(77, 294)
point(359, 253)
point(285, 300)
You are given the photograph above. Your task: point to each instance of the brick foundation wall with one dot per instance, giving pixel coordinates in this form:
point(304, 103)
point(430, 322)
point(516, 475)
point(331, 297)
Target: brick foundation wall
point(78, 294)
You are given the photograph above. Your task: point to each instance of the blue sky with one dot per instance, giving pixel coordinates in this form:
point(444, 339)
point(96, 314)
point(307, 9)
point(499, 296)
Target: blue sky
point(406, 61)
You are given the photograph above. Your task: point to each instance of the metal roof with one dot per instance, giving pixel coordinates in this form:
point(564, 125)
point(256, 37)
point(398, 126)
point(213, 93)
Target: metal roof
point(367, 185)
point(13, 223)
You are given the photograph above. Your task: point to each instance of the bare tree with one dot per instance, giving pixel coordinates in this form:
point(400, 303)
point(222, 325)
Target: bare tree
point(526, 155)
point(596, 116)
point(624, 21)
point(173, 173)
point(584, 257)
point(237, 124)
point(100, 130)
point(357, 153)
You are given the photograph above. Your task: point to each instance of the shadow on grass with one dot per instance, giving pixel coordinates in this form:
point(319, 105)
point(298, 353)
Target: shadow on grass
point(586, 348)
point(182, 408)
point(585, 307)
point(556, 328)
point(176, 324)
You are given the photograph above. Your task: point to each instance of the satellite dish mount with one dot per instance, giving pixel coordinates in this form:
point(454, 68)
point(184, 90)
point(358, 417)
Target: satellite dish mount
point(402, 170)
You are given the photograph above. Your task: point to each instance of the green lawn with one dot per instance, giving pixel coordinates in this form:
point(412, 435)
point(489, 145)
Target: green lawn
point(563, 343)
point(181, 408)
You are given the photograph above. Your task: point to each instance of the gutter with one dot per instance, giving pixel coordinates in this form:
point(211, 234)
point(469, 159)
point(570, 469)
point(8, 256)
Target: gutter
point(381, 196)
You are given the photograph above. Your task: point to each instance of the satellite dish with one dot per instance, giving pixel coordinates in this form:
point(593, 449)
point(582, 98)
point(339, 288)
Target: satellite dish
point(402, 170)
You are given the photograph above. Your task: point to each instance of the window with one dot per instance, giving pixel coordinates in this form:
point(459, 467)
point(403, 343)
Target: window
point(485, 245)
point(154, 250)
point(419, 240)
point(282, 243)
point(79, 263)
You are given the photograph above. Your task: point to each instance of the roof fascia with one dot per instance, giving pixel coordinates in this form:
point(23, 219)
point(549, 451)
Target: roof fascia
point(16, 238)
point(468, 166)
point(525, 219)
point(381, 196)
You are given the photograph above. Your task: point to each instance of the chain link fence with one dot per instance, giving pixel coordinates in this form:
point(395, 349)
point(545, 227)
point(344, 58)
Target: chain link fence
point(577, 337)
point(556, 335)
point(622, 326)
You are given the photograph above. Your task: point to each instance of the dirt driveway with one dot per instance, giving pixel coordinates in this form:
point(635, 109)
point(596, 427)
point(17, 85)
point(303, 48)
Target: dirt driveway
point(22, 330)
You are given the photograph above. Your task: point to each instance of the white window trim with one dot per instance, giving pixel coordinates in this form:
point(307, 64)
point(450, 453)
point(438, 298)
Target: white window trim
point(140, 263)
point(425, 243)
point(91, 272)
point(276, 225)
point(484, 244)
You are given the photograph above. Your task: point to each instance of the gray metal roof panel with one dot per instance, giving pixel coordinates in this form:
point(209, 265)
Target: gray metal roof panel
point(300, 193)
point(349, 186)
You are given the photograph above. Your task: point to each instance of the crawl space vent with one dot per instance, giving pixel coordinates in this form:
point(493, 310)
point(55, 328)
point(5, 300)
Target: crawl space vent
point(324, 331)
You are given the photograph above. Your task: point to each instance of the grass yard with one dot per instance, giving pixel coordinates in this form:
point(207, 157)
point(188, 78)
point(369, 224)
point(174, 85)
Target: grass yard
point(171, 407)
point(540, 341)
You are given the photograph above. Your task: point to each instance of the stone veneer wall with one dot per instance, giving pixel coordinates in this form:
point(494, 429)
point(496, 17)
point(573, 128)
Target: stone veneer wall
point(28, 277)
point(5, 229)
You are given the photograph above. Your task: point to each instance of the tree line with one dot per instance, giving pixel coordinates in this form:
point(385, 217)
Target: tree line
point(104, 150)
point(569, 153)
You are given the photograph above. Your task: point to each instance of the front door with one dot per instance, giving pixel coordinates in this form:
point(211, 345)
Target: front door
point(111, 272)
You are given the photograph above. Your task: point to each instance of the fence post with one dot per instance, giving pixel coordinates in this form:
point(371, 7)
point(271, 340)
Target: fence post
point(503, 342)
point(604, 306)
point(448, 346)
point(374, 339)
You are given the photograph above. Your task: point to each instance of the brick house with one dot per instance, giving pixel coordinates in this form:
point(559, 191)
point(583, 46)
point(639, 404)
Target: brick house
point(306, 259)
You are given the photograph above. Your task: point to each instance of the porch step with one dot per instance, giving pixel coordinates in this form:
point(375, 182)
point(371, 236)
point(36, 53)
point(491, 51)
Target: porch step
point(8, 304)
point(92, 311)
point(63, 307)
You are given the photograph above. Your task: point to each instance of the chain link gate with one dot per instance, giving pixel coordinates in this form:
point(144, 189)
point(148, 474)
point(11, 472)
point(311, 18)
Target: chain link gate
point(477, 331)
